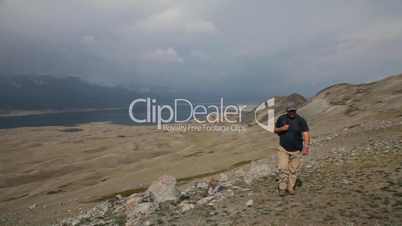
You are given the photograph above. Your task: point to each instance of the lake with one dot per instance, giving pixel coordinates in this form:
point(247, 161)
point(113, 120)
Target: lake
point(74, 118)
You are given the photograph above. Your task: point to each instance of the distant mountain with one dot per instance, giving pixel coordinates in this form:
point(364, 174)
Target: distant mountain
point(280, 108)
point(282, 101)
point(28, 92)
point(48, 92)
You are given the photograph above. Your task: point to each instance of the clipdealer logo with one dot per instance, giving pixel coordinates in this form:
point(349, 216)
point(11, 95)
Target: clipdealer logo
point(266, 109)
point(163, 114)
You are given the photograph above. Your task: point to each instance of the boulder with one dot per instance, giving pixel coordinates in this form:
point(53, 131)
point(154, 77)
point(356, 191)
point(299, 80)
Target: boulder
point(164, 189)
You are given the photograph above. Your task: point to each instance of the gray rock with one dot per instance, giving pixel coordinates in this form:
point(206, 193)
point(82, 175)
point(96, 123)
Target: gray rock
point(205, 200)
point(119, 196)
point(223, 177)
point(33, 206)
point(259, 168)
point(140, 213)
point(144, 208)
point(185, 206)
point(92, 217)
point(201, 185)
point(164, 189)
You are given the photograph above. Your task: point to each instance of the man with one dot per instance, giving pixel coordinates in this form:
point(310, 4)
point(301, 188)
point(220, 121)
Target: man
point(294, 137)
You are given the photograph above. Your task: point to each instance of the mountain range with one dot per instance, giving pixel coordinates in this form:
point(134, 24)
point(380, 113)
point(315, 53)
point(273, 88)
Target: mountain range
point(28, 92)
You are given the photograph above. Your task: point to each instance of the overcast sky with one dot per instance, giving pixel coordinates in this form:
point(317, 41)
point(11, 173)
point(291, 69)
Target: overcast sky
point(247, 47)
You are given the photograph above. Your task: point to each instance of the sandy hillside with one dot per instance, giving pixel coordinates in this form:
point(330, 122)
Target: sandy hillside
point(61, 170)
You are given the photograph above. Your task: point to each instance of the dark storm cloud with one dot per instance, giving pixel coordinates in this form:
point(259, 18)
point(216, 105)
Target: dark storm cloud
point(251, 48)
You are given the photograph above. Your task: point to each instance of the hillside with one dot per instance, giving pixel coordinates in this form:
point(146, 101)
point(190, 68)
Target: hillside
point(96, 174)
point(345, 105)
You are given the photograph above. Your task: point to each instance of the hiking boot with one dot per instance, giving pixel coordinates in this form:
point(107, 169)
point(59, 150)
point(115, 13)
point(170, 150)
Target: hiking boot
point(291, 192)
point(281, 192)
point(298, 183)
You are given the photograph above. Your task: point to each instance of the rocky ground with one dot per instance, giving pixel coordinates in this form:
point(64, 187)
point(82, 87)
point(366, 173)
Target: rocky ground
point(340, 185)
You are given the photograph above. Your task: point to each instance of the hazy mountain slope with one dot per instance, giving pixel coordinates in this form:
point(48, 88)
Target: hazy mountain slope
point(48, 92)
point(344, 105)
point(280, 108)
point(281, 102)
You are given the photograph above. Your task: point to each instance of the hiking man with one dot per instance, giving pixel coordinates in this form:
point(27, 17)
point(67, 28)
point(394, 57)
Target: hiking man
point(294, 137)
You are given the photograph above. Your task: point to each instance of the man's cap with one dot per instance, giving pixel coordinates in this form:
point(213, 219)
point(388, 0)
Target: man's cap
point(291, 106)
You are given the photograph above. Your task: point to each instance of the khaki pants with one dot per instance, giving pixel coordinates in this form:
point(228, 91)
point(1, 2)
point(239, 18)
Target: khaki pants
point(289, 165)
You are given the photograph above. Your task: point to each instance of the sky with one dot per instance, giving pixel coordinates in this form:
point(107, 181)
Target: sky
point(241, 48)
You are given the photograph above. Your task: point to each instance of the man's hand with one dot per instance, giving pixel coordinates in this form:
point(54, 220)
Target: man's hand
point(306, 142)
point(285, 128)
point(306, 150)
point(282, 129)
